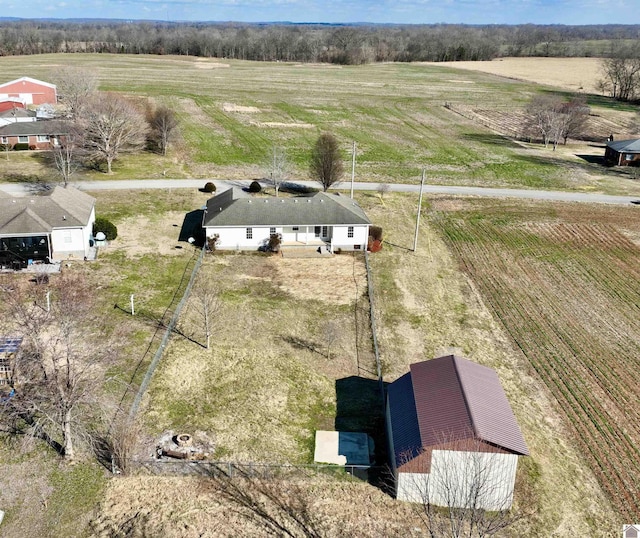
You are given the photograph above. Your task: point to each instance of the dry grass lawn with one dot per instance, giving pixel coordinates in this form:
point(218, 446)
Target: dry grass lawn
point(286, 334)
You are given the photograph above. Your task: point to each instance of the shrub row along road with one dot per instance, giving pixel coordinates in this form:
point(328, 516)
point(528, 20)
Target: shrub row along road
point(555, 196)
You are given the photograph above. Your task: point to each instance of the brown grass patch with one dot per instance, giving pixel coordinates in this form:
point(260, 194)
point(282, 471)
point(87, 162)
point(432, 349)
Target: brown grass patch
point(573, 74)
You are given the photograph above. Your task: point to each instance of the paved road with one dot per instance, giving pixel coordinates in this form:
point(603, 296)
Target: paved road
point(560, 196)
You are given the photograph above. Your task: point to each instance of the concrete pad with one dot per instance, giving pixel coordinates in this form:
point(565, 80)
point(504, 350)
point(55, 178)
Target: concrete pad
point(342, 448)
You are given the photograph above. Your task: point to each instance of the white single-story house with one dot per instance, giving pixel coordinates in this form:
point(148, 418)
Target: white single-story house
point(57, 225)
point(242, 222)
point(453, 438)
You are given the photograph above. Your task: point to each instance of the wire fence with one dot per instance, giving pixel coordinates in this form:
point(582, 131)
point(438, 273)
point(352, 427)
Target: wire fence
point(262, 471)
point(372, 317)
point(144, 385)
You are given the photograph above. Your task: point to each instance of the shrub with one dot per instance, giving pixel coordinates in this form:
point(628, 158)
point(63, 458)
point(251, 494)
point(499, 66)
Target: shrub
point(32, 147)
point(255, 187)
point(212, 242)
point(5, 147)
point(20, 146)
point(274, 242)
point(375, 232)
point(209, 187)
point(105, 226)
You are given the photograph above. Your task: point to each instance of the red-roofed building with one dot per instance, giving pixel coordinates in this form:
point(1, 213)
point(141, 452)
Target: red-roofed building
point(30, 91)
point(449, 421)
point(10, 104)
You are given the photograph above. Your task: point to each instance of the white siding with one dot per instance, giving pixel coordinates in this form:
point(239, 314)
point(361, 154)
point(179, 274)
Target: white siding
point(72, 242)
point(236, 238)
point(67, 242)
point(462, 479)
point(340, 237)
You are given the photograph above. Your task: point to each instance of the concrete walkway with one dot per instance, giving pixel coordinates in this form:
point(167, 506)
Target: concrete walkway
point(18, 189)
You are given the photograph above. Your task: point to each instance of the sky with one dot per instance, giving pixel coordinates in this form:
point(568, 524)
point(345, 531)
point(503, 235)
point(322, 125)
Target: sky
point(338, 11)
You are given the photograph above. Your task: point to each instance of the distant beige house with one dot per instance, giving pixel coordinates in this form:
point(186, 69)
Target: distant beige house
point(55, 226)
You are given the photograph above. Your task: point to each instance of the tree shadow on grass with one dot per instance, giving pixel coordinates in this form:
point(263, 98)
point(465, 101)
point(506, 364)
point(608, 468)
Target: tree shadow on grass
point(488, 138)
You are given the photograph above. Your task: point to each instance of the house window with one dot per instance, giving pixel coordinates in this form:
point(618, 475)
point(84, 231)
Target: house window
point(350, 231)
point(23, 140)
point(325, 231)
point(272, 230)
point(317, 231)
point(295, 228)
point(67, 237)
point(4, 140)
point(628, 156)
point(43, 138)
point(249, 233)
point(356, 247)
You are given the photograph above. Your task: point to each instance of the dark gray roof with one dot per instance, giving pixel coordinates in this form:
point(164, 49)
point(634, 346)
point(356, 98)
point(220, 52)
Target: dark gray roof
point(17, 113)
point(26, 128)
point(630, 146)
point(232, 208)
point(30, 215)
point(455, 399)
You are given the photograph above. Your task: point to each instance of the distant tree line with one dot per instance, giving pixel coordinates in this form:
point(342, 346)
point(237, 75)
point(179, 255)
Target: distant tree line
point(341, 44)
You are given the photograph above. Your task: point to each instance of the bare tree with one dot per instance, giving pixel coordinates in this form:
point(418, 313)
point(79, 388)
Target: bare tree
point(326, 162)
point(113, 126)
point(331, 335)
point(61, 364)
point(207, 305)
point(76, 87)
point(67, 153)
point(464, 492)
point(554, 119)
point(278, 166)
point(621, 73)
point(163, 124)
point(383, 188)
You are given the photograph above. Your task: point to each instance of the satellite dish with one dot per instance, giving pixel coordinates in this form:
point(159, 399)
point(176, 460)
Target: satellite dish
point(100, 236)
point(191, 240)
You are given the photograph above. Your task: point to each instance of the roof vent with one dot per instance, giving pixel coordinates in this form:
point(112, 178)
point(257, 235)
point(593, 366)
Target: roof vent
point(308, 200)
point(249, 201)
point(266, 201)
point(295, 201)
point(282, 201)
point(64, 217)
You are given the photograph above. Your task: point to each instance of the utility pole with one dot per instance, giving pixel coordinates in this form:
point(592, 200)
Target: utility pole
point(353, 166)
point(415, 239)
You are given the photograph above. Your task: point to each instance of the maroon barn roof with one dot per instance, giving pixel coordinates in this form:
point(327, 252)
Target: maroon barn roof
point(455, 399)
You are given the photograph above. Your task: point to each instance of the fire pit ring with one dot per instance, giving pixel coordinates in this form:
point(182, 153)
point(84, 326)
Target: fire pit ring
point(184, 439)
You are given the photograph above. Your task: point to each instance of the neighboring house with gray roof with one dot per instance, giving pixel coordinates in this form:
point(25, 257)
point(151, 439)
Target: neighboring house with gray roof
point(57, 225)
point(242, 222)
point(36, 134)
point(623, 153)
point(448, 420)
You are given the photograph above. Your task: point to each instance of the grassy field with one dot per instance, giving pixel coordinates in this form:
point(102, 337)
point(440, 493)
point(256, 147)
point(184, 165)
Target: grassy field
point(564, 284)
point(272, 378)
point(290, 338)
point(233, 113)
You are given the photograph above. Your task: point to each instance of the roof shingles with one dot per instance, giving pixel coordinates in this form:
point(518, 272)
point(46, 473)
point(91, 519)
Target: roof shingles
point(231, 208)
point(453, 399)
